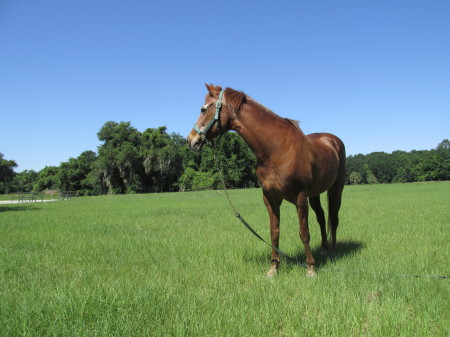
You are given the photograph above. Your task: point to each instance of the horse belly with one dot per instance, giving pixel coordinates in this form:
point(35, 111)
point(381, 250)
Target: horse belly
point(281, 185)
point(325, 174)
point(321, 183)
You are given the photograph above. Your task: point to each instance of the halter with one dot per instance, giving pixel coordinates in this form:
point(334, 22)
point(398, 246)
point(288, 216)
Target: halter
point(215, 119)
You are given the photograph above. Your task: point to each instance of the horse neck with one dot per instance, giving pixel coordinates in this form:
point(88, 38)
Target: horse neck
point(266, 133)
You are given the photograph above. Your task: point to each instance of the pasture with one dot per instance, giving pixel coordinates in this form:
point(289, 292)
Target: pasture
point(180, 264)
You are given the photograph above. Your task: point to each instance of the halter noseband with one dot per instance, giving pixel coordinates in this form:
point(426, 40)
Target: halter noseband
point(215, 119)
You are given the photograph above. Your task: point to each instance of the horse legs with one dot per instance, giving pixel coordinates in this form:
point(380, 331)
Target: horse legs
point(273, 207)
point(320, 215)
point(302, 210)
point(334, 204)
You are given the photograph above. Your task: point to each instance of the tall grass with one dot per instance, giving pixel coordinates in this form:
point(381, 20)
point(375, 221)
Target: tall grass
point(180, 264)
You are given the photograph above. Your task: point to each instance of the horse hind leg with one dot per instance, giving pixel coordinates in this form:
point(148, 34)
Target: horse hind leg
point(334, 198)
point(314, 202)
point(334, 204)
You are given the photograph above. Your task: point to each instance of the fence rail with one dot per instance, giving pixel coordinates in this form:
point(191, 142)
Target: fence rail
point(28, 197)
point(65, 195)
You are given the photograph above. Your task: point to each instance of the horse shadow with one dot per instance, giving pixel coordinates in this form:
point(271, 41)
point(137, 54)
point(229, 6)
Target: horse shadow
point(344, 249)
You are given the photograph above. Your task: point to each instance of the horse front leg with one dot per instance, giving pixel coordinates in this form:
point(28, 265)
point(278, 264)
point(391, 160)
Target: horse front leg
point(273, 208)
point(302, 210)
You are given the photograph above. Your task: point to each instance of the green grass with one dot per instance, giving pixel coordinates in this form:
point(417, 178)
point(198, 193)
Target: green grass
point(180, 264)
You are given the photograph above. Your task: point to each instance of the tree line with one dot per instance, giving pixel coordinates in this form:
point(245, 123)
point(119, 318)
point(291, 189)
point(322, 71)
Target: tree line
point(400, 166)
point(130, 161)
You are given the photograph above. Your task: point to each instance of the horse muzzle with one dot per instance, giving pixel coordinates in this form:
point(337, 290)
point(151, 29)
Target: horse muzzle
point(195, 141)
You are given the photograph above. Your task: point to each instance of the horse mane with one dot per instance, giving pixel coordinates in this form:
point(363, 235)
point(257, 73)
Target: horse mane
point(295, 123)
point(234, 98)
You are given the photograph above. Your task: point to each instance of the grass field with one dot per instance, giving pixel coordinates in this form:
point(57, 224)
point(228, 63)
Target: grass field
point(180, 264)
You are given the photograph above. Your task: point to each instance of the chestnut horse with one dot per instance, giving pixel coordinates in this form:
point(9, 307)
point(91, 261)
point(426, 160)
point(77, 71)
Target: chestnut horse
point(291, 166)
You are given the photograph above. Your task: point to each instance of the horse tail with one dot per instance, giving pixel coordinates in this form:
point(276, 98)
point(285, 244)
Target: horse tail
point(328, 229)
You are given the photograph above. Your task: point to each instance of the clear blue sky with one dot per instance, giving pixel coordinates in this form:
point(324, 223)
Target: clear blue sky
point(376, 73)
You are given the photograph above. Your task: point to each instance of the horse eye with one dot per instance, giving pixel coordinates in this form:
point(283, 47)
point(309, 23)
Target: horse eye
point(204, 109)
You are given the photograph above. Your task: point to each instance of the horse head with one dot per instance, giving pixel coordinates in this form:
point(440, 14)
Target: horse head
point(215, 116)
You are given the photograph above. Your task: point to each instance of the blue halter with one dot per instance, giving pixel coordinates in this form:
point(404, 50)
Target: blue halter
point(215, 119)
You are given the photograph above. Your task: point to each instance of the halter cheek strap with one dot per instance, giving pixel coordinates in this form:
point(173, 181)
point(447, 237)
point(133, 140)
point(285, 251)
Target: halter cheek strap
point(215, 119)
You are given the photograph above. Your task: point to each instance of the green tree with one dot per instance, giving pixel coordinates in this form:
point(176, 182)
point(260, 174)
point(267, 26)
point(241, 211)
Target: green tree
point(444, 145)
point(237, 162)
point(235, 159)
point(402, 162)
point(118, 163)
point(73, 174)
point(6, 173)
point(356, 164)
point(370, 177)
point(355, 178)
point(400, 166)
point(47, 179)
point(24, 181)
point(382, 166)
point(162, 159)
point(443, 162)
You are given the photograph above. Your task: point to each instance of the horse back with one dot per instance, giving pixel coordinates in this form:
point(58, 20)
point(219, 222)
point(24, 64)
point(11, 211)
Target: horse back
point(326, 143)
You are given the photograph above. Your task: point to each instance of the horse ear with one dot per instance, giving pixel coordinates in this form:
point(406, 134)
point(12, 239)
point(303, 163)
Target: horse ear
point(213, 89)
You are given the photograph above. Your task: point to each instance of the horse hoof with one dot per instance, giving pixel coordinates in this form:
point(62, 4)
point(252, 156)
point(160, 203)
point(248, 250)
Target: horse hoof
point(311, 272)
point(272, 273)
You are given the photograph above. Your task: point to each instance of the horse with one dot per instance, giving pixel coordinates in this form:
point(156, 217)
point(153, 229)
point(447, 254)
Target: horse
point(291, 166)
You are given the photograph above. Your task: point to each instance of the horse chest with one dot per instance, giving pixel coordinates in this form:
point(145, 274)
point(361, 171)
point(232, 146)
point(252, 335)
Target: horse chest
point(272, 183)
point(274, 179)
